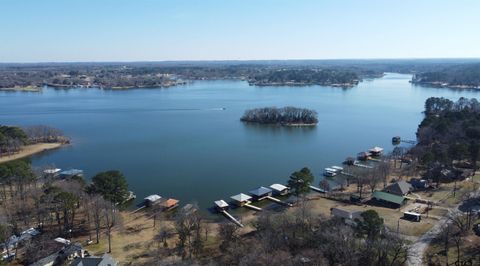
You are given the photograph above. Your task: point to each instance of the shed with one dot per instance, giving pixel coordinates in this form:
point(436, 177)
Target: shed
point(241, 199)
point(400, 188)
point(391, 199)
point(261, 193)
point(279, 189)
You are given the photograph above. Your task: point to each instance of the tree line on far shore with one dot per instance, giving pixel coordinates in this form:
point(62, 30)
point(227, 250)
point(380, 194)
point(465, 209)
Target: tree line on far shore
point(306, 77)
point(283, 116)
point(12, 138)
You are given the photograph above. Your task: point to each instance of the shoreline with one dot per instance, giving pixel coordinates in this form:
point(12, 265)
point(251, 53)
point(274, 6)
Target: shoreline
point(29, 150)
point(281, 124)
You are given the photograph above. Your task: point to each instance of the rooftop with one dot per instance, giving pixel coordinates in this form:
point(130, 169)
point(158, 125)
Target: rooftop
point(376, 149)
point(153, 198)
point(241, 197)
point(278, 187)
point(170, 203)
point(399, 188)
point(388, 197)
point(221, 203)
point(260, 191)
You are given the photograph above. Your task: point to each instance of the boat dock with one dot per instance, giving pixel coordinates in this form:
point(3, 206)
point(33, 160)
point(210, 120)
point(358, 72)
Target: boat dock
point(255, 208)
point(229, 216)
point(138, 209)
point(362, 165)
point(317, 189)
point(279, 201)
point(222, 207)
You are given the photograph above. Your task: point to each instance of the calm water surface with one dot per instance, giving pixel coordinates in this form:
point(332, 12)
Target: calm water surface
point(180, 143)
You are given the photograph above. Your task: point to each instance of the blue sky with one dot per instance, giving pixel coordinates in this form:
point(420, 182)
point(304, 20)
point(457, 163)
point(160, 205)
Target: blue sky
point(154, 30)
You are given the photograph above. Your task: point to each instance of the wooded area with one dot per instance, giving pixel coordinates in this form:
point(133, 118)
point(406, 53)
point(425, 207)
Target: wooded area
point(282, 116)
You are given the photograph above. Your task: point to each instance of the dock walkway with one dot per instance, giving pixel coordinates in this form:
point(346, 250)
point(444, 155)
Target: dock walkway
point(229, 216)
point(317, 189)
point(255, 208)
point(279, 201)
point(363, 165)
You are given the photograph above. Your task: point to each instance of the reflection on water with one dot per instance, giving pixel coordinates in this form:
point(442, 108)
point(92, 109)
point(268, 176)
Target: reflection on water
point(255, 128)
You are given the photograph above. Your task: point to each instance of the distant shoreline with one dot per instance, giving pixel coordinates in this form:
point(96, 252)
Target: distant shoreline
point(302, 84)
point(29, 150)
point(23, 89)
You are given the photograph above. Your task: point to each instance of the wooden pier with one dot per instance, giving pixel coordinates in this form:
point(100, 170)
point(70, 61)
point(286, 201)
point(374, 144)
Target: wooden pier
point(279, 201)
point(255, 208)
point(362, 165)
point(138, 209)
point(317, 189)
point(229, 216)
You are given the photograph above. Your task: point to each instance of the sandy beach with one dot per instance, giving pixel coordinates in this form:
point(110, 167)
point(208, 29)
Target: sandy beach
point(30, 150)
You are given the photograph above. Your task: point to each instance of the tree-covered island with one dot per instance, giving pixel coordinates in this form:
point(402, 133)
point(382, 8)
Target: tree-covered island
point(286, 116)
point(305, 77)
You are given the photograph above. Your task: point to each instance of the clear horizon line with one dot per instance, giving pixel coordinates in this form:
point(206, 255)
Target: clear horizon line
point(241, 60)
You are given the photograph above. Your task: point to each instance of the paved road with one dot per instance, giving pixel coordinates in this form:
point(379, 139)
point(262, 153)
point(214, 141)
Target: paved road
point(417, 249)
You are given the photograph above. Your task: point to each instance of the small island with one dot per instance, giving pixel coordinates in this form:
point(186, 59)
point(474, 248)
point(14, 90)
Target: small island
point(286, 116)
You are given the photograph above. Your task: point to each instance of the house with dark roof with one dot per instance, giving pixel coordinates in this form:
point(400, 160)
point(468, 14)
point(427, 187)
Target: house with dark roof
point(400, 188)
point(388, 199)
point(105, 260)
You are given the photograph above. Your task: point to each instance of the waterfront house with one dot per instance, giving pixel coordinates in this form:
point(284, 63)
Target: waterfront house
point(261, 193)
point(388, 199)
point(241, 199)
point(400, 188)
point(279, 189)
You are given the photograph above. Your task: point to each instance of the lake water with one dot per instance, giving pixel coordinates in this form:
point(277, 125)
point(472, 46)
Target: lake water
point(180, 143)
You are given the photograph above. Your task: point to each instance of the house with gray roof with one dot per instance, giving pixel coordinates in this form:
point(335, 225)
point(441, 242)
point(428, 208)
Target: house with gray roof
point(105, 260)
point(400, 188)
